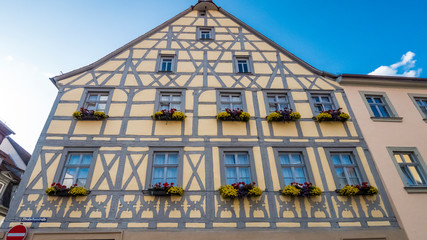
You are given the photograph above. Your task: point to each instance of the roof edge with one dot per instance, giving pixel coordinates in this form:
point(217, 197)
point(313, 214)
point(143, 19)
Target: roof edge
point(283, 50)
point(119, 50)
point(381, 80)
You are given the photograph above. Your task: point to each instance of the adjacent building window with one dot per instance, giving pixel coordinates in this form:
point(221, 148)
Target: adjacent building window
point(422, 104)
point(165, 167)
point(76, 169)
point(166, 63)
point(96, 101)
point(243, 65)
point(277, 102)
point(346, 169)
point(411, 168)
point(293, 168)
point(169, 101)
point(322, 102)
point(231, 101)
point(378, 106)
point(237, 167)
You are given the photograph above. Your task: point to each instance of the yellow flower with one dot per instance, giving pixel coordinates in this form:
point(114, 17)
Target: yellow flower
point(228, 191)
point(344, 116)
point(255, 192)
point(77, 114)
point(295, 116)
point(50, 190)
point(323, 117)
point(100, 114)
point(78, 191)
point(315, 191)
point(275, 116)
point(245, 116)
point(349, 191)
point(176, 191)
point(178, 116)
point(158, 114)
point(223, 115)
point(291, 190)
point(373, 190)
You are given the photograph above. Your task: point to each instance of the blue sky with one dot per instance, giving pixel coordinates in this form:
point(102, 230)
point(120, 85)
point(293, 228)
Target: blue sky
point(41, 38)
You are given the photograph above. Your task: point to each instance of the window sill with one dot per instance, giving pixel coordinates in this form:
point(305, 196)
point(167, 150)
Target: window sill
point(425, 119)
point(167, 72)
point(245, 73)
point(387, 119)
point(207, 39)
point(421, 189)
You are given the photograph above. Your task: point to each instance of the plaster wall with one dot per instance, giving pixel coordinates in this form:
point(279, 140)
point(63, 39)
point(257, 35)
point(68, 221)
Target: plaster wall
point(410, 132)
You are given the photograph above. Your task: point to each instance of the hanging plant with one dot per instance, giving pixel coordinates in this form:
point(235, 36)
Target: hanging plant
point(164, 189)
point(57, 189)
point(351, 190)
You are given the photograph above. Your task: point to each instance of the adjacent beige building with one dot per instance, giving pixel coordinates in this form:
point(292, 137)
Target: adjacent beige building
point(392, 114)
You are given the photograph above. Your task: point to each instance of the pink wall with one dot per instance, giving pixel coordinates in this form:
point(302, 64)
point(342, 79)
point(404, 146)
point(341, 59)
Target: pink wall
point(411, 208)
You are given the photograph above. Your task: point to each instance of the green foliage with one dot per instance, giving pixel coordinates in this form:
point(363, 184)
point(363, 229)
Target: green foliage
point(344, 116)
point(77, 114)
point(157, 115)
point(315, 191)
point(228, 191)
point(78, 191)
point(100, 115)
point(223, 116)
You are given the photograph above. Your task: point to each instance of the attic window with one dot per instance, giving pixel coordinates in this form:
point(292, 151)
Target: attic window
point(205, 33)
point(202, 13)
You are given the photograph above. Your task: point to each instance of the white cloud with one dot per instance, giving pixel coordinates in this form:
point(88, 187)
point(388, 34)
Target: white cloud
point(406, 64)
point(8, 58)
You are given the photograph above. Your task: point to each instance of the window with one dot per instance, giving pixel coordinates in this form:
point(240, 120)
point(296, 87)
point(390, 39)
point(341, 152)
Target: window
point(165, 167)
point(76, 169)
point(378, 106)
point(277, 102)
point(96, 101)
point(293, 168)
point(242, 64)
point(169, 101)
point(166, 63)
point(206, 33)
point(237, 167)
point(322, 102)
point(231, 101)
point(410, 168)
point(202, 13)
point(346, 169)
point(422, 104)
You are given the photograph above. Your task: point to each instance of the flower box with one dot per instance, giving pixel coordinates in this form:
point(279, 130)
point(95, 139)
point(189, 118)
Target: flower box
point(365, 190)
point(233, 115)
point(169, 115)
point(164, 189)
point(240, 190)
point(85, 114)
point(300, 190)
point(332, 115)
point(283, 116)
point(57, 189)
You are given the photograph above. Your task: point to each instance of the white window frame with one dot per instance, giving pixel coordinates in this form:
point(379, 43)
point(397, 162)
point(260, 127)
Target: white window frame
point(230, 102)
point(322, 103)
point(170, 101)
point(277, 104)
point(345, 167)
point(98, 100)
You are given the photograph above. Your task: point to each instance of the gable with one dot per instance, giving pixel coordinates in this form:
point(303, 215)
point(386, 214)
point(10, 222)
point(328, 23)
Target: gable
point(202, 63)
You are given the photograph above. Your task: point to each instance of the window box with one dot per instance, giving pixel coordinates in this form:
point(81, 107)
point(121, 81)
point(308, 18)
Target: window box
point(164, 189)
point(60, 190)
point(169, 115)
point(283, 116)
point(234, 115)
point(300, 190)
point(240, 190)
point(364, 190)
point(85, 114)
point(332, 115)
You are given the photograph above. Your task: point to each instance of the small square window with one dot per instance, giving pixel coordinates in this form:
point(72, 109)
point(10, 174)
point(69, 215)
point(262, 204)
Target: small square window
point(202, 13)
point(293, 168)
point(166, 63)
point(410, 168)
point(205, 33)
point(96, 101)
point(243, 65)
point(170, 101)
point(277, 102)
point(76, 169)
point(237, 167)
point(322, 102)
point(378, 106)
point(165, 168)
point(346, 169)
point(231, 101)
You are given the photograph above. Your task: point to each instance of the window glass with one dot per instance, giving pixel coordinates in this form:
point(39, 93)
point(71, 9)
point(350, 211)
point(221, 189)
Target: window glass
point(166, 64)
point(378, 106)
point(169, 101)
point(237, 171)
point(165, 168)
point(346, 169)
point(293, 168)
point(243, 65)
point(277, 102)
point(231, 100)
point(422, 103)
point(96, 101)
point(322, 102)
point(76, 169)
point(410, 168)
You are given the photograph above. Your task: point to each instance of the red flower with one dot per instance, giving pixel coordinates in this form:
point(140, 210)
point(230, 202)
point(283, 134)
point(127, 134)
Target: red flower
point(53, 184)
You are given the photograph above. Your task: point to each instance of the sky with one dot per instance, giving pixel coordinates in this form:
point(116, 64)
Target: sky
point(41, 39)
